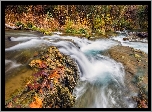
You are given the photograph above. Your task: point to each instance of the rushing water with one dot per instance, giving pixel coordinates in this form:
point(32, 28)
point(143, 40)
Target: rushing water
point(137, 45)
point(101, 83)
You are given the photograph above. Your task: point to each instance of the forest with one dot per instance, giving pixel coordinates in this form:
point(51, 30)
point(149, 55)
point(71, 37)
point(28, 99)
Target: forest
point(78, 19)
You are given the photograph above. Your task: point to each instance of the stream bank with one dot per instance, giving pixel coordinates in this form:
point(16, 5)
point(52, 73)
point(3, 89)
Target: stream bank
point(135, 63)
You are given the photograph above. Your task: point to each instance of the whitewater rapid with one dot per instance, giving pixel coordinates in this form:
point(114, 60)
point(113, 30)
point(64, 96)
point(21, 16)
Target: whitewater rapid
point(101, 83)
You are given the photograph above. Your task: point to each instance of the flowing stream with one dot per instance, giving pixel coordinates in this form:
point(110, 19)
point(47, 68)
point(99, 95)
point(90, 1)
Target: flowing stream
point(101, 83)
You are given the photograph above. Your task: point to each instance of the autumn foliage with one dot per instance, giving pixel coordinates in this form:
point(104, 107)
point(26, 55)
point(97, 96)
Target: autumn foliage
point(37, 103)
point(78, 19)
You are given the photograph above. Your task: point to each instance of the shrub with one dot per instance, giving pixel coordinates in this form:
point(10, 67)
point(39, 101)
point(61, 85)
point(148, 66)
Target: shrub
point(82, 31)
point(34, 28)
point(20, 23)
point(78, 27)
point(29, 25)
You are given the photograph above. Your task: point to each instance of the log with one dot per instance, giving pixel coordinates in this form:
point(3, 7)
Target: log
point(13, 27)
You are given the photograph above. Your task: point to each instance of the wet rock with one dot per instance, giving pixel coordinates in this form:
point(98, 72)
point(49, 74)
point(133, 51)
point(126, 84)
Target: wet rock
point(53, 83)
point(9, 38)
point(137, 37)
point(125, 39)
point(142, 34)
point(36, 54)
point(136, 68)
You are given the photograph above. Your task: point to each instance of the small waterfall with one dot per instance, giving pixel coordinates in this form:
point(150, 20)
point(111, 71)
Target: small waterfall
point(101, 83)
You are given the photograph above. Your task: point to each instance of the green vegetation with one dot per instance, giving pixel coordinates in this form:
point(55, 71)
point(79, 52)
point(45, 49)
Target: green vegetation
point(78, 19)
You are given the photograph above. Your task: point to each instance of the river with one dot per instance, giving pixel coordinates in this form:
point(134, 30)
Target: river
point(101, 83)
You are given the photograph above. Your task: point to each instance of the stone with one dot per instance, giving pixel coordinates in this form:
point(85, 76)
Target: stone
point(125, 39)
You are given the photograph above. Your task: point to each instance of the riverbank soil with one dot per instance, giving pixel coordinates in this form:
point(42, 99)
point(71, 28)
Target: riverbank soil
point(136, 71)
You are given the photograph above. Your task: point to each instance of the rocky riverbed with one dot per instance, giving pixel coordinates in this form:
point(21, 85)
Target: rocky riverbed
point(136, 68)
point(137, 37)
point(52, 84)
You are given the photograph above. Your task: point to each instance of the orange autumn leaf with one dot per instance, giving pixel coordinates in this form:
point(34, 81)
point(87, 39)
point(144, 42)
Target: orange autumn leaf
point(40, 63)
point(55, 75)
point(37, 103)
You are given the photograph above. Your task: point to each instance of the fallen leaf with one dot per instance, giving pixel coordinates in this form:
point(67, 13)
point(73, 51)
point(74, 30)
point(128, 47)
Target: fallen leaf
point(37, 103)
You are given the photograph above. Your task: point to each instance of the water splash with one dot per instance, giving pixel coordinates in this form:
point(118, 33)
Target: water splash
point(22, 38)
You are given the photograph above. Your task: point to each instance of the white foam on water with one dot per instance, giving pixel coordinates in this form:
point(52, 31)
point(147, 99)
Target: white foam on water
point(137, 45)
point(52, 37)
point(28, 44)
point(58, 33)
point(99, 71)
point(99, 45)
point(22, 38)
